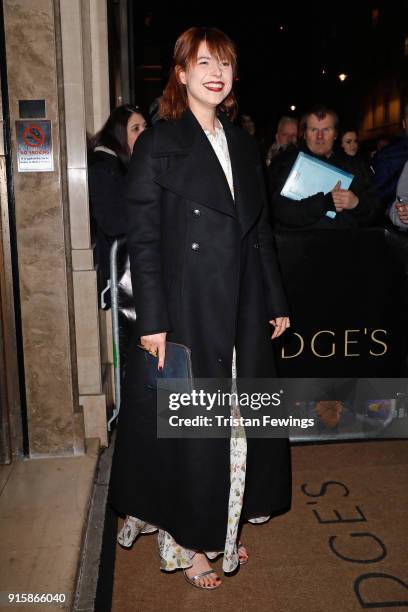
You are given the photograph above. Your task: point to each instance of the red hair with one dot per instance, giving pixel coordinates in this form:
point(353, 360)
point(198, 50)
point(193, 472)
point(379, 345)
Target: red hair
point(174, 99)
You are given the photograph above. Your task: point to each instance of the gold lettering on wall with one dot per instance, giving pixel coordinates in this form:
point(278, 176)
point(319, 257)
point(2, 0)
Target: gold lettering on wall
point(347, 342)
point(312, 344)
point(302, 346)
point(374, 339)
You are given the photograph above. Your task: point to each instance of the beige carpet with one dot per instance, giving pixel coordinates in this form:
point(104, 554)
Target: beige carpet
point(292, 567)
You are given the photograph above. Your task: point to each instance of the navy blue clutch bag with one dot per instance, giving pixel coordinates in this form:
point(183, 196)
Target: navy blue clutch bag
point(177, 364)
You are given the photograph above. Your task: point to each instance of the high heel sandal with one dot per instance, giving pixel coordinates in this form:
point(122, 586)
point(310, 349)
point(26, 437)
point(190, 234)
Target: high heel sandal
point(194, 580)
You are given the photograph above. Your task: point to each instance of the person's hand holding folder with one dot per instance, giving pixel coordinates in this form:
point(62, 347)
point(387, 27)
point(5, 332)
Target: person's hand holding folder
point(343, 199)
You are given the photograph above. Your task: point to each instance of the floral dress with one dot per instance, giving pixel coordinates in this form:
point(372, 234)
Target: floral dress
point(173, 556)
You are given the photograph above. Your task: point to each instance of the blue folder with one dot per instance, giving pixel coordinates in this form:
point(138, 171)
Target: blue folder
point(310, 176)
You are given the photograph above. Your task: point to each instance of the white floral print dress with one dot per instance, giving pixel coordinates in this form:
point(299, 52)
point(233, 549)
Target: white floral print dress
point(173, 556)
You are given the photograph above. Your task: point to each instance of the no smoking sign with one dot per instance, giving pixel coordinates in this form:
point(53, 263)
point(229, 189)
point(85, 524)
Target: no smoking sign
point(34, 146)
point(34, 136)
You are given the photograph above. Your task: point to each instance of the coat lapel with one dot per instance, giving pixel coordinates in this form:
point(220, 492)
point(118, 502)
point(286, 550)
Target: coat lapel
point(192, 160)
point(194, 171)
point(247, 188)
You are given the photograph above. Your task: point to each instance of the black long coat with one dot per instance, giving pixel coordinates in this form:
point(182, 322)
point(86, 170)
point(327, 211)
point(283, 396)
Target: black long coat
point(205, 270)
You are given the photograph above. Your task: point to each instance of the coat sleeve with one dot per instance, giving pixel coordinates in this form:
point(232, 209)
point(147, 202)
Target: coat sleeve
point(300, 213)
point(144, 239)
point(387, 165)
point(107, 194)
point(402, 185)
point(276, 299)
point(402, 191)
point(369, 209)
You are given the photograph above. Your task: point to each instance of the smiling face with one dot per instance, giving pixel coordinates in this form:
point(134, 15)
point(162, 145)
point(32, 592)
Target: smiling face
point(320, 134)
point(349, 143)
point(208, 81)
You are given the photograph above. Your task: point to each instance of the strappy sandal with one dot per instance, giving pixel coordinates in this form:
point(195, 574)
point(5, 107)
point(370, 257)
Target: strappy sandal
point(194, 580)
point(242, 561)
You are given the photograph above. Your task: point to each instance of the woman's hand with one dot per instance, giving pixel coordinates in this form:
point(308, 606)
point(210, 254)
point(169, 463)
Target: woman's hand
point(280, 324)
point(156, 345)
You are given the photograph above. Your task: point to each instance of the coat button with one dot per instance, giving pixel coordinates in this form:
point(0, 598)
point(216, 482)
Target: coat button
point(196, 212)
point(195, 246)
point(256, 245)
point(219, 359)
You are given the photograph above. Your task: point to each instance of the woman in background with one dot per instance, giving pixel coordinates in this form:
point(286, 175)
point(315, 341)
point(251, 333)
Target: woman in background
point(350, 144)
point(349, 141)
point(109, 155)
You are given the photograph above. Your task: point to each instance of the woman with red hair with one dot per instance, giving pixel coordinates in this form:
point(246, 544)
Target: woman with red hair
point(204, 274)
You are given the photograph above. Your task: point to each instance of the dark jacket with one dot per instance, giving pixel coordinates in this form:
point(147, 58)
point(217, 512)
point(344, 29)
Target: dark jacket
point(388, 164)
point(311, 212)
point(205, 270)
point(106, 184)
